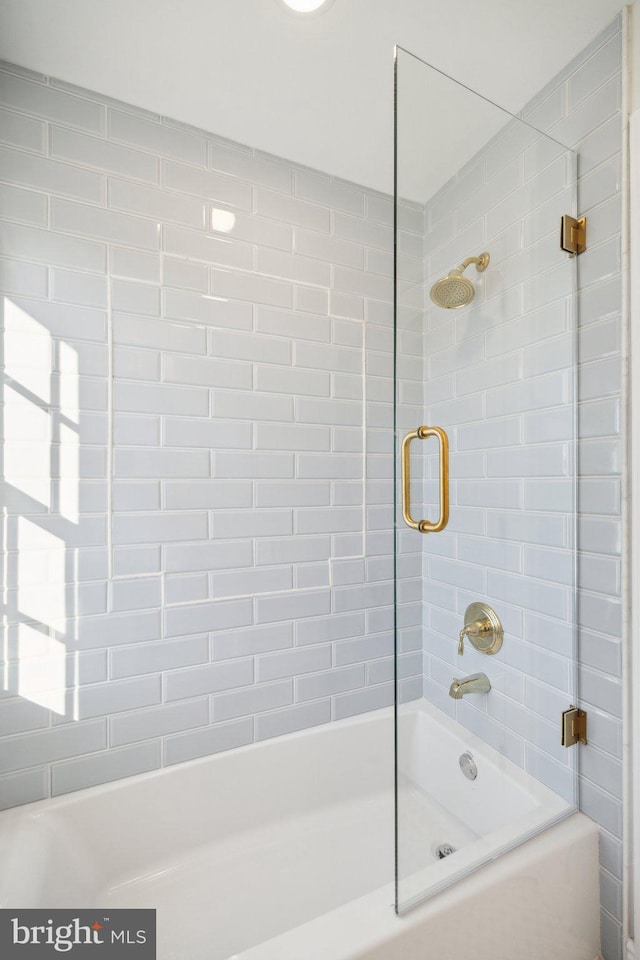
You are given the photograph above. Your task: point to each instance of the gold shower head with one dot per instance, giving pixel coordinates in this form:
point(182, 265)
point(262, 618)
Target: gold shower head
point(454, 290)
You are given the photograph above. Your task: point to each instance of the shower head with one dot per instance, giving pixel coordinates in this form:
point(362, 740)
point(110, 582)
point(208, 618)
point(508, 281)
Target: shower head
point(454, 290)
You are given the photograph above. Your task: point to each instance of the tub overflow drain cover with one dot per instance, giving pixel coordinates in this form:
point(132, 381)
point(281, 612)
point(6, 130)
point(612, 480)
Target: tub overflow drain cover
point(468, 766)
point(444, 850)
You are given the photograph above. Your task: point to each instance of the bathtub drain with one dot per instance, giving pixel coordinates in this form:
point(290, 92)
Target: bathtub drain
point(444, 850)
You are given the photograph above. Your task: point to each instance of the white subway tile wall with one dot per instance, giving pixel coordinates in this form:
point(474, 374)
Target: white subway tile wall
point(498, 376)
point(196, 338)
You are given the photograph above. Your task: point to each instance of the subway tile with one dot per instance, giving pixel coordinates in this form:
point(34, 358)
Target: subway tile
point(252, 641)
point(136, 495)
point(342, 412)
point(529, 528)
point(603, 614)
point(248, 286)
point(157, 657)
point(599, 535)
point(250, 582)
point(252, 700)
point(330, 249)
point(50, 176)
point(22, 131)
point(360, 701)
point(181, 242)
point(290, 719)
point(134, 264)
point(277, 263)
point(600, 652)
point(31, 243)
point(158, 527)
point(203, 183)
point(529, 395)
point(134, 364)
point(161, 398)
point(161, 463)
point(329, 193)
point(311, 299)
point(186, 588)
point(136, 561)
point(252, 229)
point(19, 204)
point(296, 549)
point(298, 212)
point(158, 204)
point(292, 606)
point(362, 231)
point(159, 335)
point(254, 465)
point(232, 404)
point(589, 113)
point(45, 101)
point(251, 523)
point(155, 137)
point(84, 289)
point(206, 494)
point(56, 743)
point(346, 305)
point(279, 379)
point(227, 434)
point(196, 681)
point(136, 430)
point(361, 649)
point(320, 685)
point(18, 277)
point(296, 325)
point(81, 149)
point(187, 557)
point(98, 699)
point(113, 764)
point(209, 740)
point(89, 221)
point(601, 807)
point(185, 274)
point(207, 372)
point(336, 627)
point(152, 722)
point(24, 787)
point(136, 594)
point(251, 166)
point(20, 716)
point(131, 297)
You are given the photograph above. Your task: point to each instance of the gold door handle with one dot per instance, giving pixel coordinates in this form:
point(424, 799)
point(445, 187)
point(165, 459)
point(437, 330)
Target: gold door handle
point(425, 526)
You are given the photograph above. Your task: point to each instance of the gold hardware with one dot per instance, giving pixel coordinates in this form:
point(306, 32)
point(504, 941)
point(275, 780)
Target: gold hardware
point(483, 628)
point(426, 526)
point(574, 726)
point(573, 234)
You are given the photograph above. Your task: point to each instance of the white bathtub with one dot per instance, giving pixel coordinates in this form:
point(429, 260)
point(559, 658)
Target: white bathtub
point(284, 851)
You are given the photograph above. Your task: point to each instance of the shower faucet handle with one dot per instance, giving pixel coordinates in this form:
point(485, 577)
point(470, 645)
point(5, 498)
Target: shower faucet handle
point(475, 630)
point(483, 628)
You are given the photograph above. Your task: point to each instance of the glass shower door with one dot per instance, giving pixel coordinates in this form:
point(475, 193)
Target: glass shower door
point(484, 479)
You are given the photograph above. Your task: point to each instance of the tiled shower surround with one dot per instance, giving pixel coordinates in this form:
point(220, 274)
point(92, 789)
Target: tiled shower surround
point(195, 337)
point(198, 446)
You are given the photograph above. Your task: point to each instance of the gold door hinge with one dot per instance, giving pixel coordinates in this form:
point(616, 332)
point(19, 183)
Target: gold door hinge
point(574, 726)
point(573, 234)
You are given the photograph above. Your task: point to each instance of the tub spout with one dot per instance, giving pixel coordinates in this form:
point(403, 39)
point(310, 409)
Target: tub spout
point(476, 683)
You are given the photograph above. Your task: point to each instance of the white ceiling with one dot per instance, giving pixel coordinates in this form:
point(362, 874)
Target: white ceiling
point(317, 90)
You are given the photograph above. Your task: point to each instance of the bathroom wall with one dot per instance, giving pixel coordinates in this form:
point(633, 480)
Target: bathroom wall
point(499, 375)
point(198, 443)
point(198, 449)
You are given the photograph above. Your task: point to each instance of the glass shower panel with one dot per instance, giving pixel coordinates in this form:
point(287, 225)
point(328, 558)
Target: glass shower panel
point(484, 477)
